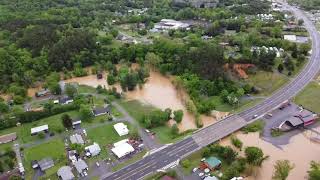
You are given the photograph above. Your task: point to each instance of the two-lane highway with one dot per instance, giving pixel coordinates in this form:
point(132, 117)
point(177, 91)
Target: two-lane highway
point(229, 125)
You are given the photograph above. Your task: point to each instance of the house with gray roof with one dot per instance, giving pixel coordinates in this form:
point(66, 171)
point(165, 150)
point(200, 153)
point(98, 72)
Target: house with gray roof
point(65, 173)
point(76, 139)
point(98, 111)
point(45, 164)
point(81, 167)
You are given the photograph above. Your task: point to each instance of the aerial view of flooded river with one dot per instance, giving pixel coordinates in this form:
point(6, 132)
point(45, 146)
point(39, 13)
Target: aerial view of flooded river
point(300, 151)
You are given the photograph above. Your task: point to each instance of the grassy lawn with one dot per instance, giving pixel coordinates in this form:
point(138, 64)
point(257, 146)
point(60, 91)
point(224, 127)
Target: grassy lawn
point(244, 104)
point(54, 123)
point(105, 135)
point(164, 135)
point(309, 97)
point(4, 147)
point(194, 160)
point(23, 131)
point(130, 161)
point(136, 109)
point(54, 149)
point(267, 81)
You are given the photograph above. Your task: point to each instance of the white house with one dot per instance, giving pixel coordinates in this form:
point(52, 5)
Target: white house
point(122, 148)
point(93, 150)
point(121, 129)
point(36, 130)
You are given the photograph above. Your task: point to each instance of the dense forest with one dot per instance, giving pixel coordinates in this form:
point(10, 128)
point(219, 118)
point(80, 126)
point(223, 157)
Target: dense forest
point(307, 4)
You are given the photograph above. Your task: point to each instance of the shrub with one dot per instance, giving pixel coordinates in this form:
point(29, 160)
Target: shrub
point(256, 126)
point(185, 163)
point(178, 115)
point(236, 142)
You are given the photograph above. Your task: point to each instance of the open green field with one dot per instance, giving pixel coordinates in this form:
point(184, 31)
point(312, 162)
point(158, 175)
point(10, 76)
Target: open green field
point(54, 149)
point(309, 97)
point(267, 81)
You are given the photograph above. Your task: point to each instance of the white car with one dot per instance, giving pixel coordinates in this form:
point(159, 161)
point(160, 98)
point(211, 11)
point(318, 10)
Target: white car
point(255, 116)
point(85, 173)
point(97, 163)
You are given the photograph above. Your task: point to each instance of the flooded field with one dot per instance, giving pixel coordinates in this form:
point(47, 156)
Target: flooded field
point(157, 91)
point(161, 93)
point(300, 151)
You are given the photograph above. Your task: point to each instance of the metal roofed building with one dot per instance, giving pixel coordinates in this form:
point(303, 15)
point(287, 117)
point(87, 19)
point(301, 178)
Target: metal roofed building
point(98, 111)
point(36, 130)
point(121, 129)
point(122, 148)
point(76, 139)
point(80, 166)
point(45, 164)
point(65, 173)
point(93, 149)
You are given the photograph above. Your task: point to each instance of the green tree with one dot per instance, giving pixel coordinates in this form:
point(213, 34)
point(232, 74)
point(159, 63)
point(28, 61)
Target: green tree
point(111, 80)
point(66, 121)
point(4, 108)
point(314, 172)
point(174, 130)
point(178, 115)
point(85, 112)
point(236, 142)
point(153, 60)
point(280, 68)
point(15, 177)
point(185, 163)
point(71, 90)
point(282, 169)
point(254, 155)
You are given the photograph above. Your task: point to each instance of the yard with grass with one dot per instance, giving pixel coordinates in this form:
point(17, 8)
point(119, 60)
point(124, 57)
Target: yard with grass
point(104, 136)
point(267, 81)
point(308, 97)
point(54, 149)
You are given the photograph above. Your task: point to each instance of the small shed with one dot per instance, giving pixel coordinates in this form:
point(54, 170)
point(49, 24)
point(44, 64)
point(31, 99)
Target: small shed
point(36, 130)
point(212, 163)
point(65, 173)
point(121, 129)
point(45, 164)
point(76, 123)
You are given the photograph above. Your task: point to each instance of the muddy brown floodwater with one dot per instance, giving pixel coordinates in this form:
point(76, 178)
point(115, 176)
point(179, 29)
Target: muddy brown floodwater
point(300, 151)
point(161, 93)
point(158, 91)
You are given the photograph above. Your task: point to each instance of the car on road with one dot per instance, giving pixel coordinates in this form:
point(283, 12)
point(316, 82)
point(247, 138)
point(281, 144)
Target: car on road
point(97, 163)
point(254, 116)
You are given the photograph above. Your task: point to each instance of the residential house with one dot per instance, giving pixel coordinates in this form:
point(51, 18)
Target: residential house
point(76, 139)
point(45, 164)
point(65, 173)
point(211, 163)
point(36, 130)
point(81, 167)
point(93, 150)
point(121, 129)
point(98, 111)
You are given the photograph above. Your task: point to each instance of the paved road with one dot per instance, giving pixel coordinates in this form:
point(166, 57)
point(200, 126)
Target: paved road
point(229, 125)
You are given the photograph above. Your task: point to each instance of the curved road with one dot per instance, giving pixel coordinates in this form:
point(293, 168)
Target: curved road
point(171, 154)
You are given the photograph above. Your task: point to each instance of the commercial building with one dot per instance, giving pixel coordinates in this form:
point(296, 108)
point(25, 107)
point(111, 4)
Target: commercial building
point(122, 148)
point(170, 24)
point(121, 129)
